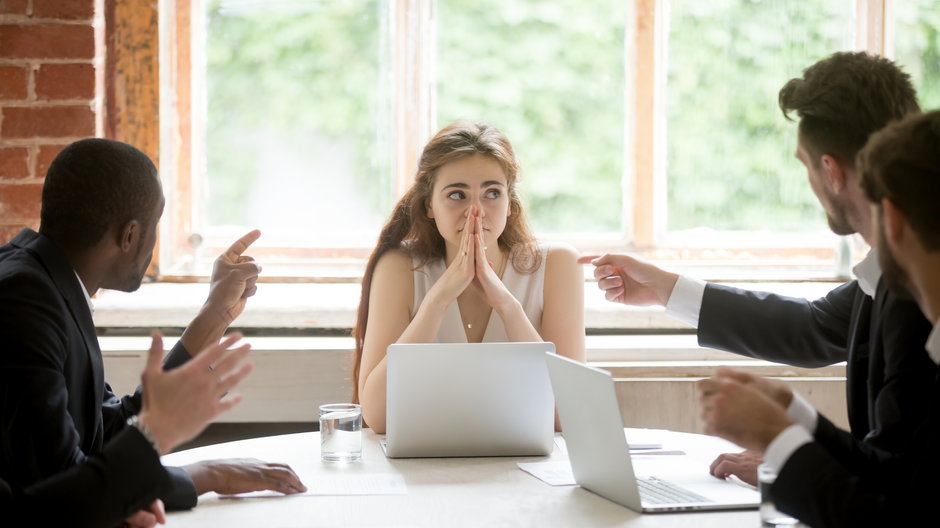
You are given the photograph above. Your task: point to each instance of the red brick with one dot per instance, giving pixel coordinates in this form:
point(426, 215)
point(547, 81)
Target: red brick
point(47, 153)
point(48, 121)
point(14, 163)
point(20, 202)
point(13, 7)
point(12, 82)
point(47, 41)
point(65, 81)
point(67, 9)
point(8, 232)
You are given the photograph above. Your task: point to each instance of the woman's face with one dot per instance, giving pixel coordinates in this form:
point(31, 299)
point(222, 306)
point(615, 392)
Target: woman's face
point(474, 180)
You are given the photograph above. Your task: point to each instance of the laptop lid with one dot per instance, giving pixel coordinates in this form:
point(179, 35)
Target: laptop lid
point(469, 399)
point(600, 455)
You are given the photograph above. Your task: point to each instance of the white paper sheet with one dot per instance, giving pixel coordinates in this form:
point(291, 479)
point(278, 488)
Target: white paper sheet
point(551, 473)
point(347, 484)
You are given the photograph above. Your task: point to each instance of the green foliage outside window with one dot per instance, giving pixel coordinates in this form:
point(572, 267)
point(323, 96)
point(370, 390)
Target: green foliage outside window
point(292, 73)
point(550, 75)
point(730, 161)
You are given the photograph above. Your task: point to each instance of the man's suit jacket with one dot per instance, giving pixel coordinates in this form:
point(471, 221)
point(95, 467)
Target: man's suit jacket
point(55, 407)
point(825, 490)
point(124, 478)
point(888, 375)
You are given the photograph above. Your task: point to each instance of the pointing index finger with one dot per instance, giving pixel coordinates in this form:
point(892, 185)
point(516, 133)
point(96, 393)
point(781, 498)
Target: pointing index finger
point(241, 245)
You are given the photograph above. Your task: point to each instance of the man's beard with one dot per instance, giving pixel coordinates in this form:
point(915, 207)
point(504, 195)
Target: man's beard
point(838, 220)
point(896, 279)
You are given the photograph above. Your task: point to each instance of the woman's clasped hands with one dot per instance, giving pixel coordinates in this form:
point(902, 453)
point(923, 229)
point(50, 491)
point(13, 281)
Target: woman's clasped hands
point(471, 266)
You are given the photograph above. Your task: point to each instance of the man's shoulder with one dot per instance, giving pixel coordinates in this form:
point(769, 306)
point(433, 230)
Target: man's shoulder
point(20, 270)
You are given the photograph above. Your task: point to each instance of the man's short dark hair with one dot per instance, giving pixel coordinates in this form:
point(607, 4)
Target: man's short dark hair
point(902, 163)
point(843, 99)
point(94, 185)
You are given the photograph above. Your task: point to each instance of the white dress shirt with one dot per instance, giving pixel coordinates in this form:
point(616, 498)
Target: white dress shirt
point(91, 306)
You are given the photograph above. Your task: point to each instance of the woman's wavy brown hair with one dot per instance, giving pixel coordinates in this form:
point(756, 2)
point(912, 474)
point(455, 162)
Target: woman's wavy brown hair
point(409, 228)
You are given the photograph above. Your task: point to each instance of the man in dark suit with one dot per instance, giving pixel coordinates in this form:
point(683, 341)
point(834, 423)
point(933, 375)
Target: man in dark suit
point(101, 203)
point(839, 101)
point(821, 484)
point(127, 475)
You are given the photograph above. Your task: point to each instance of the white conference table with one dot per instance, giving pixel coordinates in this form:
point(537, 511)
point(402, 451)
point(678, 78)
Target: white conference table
point(441, 492)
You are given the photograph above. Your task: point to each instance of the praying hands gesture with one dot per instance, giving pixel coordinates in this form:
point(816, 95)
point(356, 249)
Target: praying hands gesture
point(471, 267)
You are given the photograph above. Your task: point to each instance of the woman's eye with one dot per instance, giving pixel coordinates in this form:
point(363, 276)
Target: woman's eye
point(456, 195)
point(492, 194)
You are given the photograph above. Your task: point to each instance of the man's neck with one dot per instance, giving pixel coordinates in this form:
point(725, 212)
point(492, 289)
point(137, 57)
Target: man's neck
point(87, 270)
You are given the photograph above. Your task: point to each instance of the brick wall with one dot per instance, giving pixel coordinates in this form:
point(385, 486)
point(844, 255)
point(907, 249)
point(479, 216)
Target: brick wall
point(51, 82)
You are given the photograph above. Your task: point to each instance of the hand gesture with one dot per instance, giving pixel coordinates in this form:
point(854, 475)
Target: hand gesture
point(778, 391)
point(179, 403)
point(461, 271)
point(742, 465)
point(234, 278)
point(147, 518)
point(627, 280)
point(485, 279)
point(740, 413)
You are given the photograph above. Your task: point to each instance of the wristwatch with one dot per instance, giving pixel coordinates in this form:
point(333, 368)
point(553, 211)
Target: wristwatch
point(134, 421)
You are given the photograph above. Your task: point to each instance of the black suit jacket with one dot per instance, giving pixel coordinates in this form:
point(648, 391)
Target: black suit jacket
point(124, 478)
point(888, 375)
point(55, 407)
point(852, 488)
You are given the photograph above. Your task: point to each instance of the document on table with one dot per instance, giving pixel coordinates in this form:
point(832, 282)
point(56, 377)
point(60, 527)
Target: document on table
point(551, 473)
point(346, 484)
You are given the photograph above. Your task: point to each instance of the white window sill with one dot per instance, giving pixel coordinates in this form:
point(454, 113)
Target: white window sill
point(316, 306)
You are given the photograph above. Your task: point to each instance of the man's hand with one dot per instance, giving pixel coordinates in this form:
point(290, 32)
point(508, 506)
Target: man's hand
point(742, 465)
point(147, 518)
point(630, 281)
point(242, 475)
point(234, 280)
point(740, 413)
point(179, 403)
point(778, 391)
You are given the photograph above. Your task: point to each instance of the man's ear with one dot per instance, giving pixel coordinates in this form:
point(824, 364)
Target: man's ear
point(129, 236)
point(835, 174)
point(895, 225)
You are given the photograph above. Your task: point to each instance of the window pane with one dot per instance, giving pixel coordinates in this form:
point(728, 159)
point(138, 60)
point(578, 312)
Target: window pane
point(917, 47)
point(730, 163)
point(549, 75)
point(298, 119)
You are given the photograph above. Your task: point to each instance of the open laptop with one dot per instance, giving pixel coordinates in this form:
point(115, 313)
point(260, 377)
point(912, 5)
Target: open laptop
point(467, 400)
point(600, 456)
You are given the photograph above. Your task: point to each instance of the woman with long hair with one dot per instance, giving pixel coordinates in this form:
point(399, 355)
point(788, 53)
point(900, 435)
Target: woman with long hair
point(456, 263)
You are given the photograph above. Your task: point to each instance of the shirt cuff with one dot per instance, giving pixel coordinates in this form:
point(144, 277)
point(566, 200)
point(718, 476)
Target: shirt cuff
point(685, 302)
point(780, 449)
point(801, 412)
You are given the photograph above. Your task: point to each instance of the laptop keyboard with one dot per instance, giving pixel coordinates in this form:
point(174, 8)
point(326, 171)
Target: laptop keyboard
point(656, 491)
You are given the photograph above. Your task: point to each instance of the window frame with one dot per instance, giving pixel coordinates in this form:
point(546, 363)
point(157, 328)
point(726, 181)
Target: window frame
point(160, 118)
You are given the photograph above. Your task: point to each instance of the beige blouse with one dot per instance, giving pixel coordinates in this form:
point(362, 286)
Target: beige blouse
point(527, 288)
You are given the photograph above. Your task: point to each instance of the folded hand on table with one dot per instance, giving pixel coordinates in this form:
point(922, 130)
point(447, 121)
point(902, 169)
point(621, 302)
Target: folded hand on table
point(242, 475)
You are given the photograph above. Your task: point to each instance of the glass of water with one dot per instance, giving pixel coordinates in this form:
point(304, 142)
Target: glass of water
point(341, 432)
point(769, 514)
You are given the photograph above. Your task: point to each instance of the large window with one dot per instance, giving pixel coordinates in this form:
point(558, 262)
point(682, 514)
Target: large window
point(649, 125)
point(297, 120)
